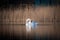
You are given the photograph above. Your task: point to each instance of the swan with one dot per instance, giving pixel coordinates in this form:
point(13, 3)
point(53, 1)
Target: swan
point(30, 24)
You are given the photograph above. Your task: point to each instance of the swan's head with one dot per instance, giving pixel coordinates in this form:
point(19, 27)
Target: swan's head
point(28, 20)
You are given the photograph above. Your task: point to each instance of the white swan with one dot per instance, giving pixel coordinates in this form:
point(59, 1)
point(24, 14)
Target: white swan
point(28, 25)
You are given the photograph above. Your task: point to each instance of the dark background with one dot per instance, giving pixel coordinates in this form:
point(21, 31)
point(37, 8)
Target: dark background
point(7, 3)
point(14, 3)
